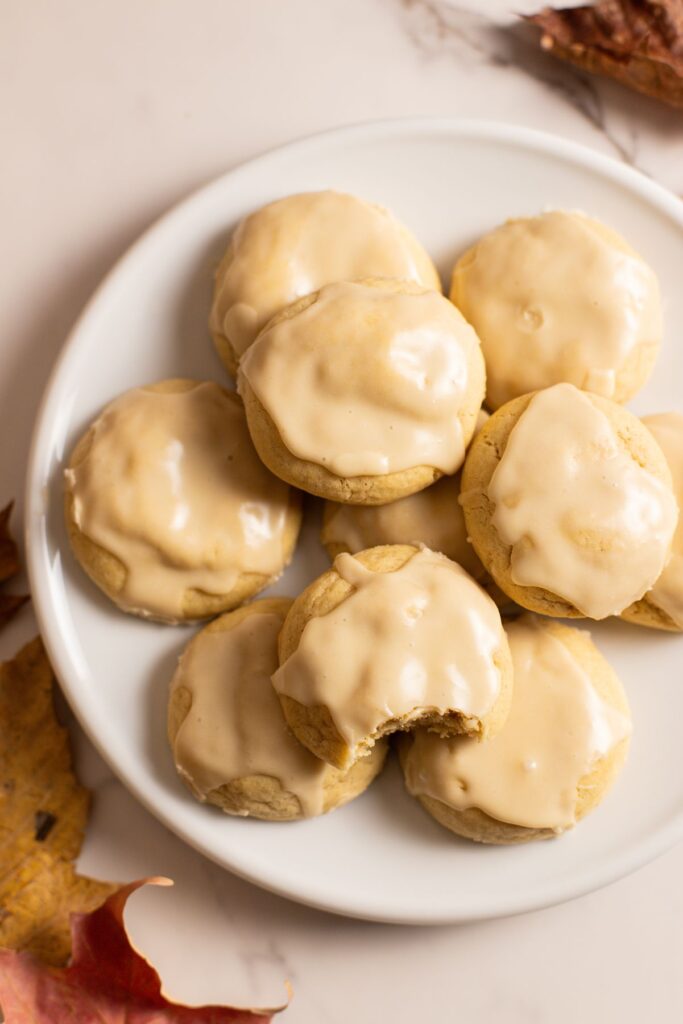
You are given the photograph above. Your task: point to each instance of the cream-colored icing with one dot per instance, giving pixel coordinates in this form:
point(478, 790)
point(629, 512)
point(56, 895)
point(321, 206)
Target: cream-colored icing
point(528, 774)
point(553, 298)
point(583, 518)
point(667, 593)
point(424, 638)
point(432, 517)
point(235, 727)
point(296, 245)
point(171, 485)
point(368, 380)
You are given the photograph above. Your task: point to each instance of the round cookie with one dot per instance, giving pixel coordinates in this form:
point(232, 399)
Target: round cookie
point(583, 503)
point(230, 742)
point(168, 508)
point(432, 517)
point(390, 638)
point(559, 752)
point(560, 297)
point(296, 245)
point(364, 392)
point(662, 606)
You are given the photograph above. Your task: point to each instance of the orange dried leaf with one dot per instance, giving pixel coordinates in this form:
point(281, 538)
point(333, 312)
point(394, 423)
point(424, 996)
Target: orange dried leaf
point(107, 981)
point(637, 42)
point(9, 567)
point(43, 811)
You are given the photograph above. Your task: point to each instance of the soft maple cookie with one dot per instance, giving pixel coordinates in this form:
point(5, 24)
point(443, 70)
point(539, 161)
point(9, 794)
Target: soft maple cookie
point(560, 297)
point(169, 509)
point(560, 750)
point(662, 606)
point(229, 739)
point(432, 517)
point(364, 392)
point(568, 502)
point(295, 246)
point(386, 640)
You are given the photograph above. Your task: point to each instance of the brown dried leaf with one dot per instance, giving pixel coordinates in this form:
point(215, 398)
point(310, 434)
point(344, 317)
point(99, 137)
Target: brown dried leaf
point(637, 42)
point(9, 567)
point(43, 811)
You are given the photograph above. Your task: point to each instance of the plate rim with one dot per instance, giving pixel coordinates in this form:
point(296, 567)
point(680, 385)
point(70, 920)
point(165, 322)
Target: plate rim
point(655, 843)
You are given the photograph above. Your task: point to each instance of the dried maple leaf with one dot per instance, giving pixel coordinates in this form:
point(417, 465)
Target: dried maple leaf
point(107, 981)
point(43, 811)
point(637, 42)
point(9, 566)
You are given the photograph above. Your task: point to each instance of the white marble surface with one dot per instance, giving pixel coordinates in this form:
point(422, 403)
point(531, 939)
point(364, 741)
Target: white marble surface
point(109, 113)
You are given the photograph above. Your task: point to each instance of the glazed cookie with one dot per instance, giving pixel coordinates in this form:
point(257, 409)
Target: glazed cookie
point(432, 517)
point(560, 297)
point(295, 246)
point(229, 739)
point(393, 637)
point(562, 747)
point(364, 392)
point(168, 508)
point(662, 606)
point(568, 503)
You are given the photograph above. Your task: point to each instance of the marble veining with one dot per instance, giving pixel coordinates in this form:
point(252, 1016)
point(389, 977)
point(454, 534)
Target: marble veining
point(488, 35)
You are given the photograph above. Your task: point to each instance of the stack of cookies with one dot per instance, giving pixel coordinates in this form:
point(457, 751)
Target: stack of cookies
point(481, 480)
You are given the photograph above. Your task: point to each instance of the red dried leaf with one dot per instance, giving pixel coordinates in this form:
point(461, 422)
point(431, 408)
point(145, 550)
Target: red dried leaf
point(637, 42)
point(106, 982)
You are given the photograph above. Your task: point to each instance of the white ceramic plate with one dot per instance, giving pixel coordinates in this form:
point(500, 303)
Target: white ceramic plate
point(381, 857)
